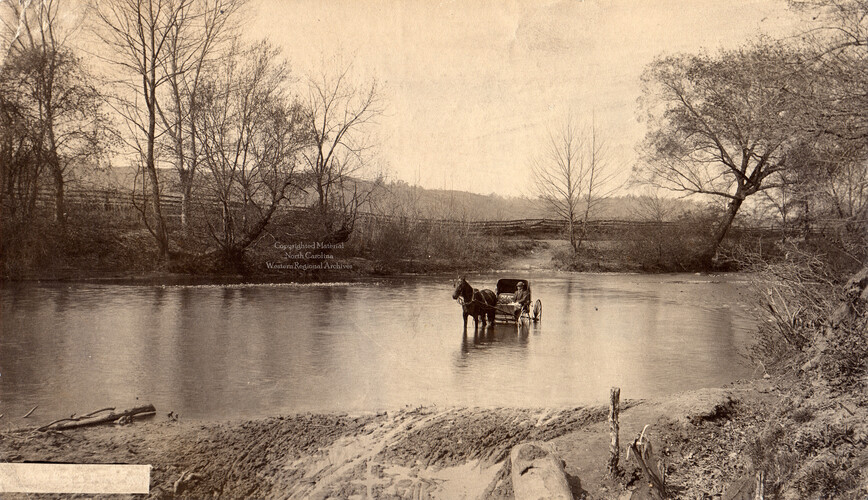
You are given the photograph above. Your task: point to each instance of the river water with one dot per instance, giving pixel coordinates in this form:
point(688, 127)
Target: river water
point(233, 351)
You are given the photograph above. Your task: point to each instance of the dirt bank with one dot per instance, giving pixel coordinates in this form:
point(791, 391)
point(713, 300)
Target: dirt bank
point(537, 258)
point(439, 453)
point(418, 452)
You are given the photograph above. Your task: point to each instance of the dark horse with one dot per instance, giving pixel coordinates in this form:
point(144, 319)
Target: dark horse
point(476, 303)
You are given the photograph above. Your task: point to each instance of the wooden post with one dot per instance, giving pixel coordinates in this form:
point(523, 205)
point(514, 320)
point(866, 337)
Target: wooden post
point(759, 491)
point(614, 449)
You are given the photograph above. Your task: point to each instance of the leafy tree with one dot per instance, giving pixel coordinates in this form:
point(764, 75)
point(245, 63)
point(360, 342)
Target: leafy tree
point(828, 185)
point(52, 116)
point(839, 64)
point(720, 125)
point(21, 172)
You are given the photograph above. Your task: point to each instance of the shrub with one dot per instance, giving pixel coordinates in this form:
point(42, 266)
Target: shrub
point(404, 245)
point(844, 361)
point(826, 478)
point(678, 246)
point(802, 415)
point(91, 240)
point(794, 299)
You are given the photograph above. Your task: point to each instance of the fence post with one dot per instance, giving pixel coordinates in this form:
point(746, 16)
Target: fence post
point(759, 492)
point(614, 448)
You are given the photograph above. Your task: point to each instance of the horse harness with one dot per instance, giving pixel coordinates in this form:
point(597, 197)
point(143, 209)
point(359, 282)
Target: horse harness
point(473, 300)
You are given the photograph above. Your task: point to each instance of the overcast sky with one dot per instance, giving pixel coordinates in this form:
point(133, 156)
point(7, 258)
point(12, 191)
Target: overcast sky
point(472, 87)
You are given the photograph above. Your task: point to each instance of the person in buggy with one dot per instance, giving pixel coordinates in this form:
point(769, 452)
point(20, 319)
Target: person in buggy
point(521, 300)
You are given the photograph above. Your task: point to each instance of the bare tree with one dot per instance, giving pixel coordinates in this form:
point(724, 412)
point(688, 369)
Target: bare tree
point(838, 44)
point(572, 176)
point(137, 35)
point(339, 113)
point(250, 134)
point(652, 207)
point(196, 44)
point(833, 113)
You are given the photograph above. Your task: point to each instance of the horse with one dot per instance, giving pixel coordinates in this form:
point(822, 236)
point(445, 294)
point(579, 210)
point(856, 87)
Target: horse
point(476, 303)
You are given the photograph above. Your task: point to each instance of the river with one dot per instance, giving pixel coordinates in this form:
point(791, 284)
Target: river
point(243, 351)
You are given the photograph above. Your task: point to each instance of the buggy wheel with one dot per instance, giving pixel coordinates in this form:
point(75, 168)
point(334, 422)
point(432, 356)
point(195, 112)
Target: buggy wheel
point(537, 310)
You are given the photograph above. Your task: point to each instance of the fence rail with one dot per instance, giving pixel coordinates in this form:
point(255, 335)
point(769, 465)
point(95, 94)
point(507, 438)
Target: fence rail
point(109, 200)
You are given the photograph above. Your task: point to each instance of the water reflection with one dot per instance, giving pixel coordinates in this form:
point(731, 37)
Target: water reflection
point(232, 351)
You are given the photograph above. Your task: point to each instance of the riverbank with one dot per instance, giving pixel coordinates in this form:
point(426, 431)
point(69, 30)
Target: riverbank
point(358, 269)
point(91, 255)
point(271, 265)
point(709, 440)
point(425, 452)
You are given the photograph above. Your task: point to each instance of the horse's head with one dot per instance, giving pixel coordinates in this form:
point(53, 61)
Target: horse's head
point(461, 288)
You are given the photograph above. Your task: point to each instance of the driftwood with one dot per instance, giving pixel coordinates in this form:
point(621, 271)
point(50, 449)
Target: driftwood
point(759, 493)
point(31, 411)
point(91, 418)
point(653, 472)
point(73, 418)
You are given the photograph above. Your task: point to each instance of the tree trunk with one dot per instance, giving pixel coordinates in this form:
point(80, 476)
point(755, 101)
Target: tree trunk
point(724, 226)
point(160, 227)
point(325, 219)
point(56, 170)
point(583, 232)
point(187, 182)
point(184, 203)
point(149, 87)
point(59, 204)
point(186, 190)
point(572, 229)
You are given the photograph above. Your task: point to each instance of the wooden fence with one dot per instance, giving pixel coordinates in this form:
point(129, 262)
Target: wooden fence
point(115, 201)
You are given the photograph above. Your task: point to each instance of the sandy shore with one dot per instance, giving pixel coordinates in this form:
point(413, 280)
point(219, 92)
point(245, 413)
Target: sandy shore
point(427, 452)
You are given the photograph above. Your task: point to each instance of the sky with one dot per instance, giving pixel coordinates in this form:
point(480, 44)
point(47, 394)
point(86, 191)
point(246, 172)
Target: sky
point(472, 88)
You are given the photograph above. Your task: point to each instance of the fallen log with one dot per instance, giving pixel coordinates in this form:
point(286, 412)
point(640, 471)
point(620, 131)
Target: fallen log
point(90, 419)
point(73, 418)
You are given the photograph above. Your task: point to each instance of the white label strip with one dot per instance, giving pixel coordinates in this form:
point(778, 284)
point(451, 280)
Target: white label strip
point(74, 478)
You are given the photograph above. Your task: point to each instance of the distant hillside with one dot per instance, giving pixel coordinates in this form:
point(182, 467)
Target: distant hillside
point(403, 199)
point(400, 198)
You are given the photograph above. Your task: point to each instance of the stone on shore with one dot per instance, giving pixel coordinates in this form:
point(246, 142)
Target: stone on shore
point(538, 473)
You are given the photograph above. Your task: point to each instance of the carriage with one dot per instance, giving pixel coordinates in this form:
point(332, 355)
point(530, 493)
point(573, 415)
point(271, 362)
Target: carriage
point(506, 310)
point(486, 306)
